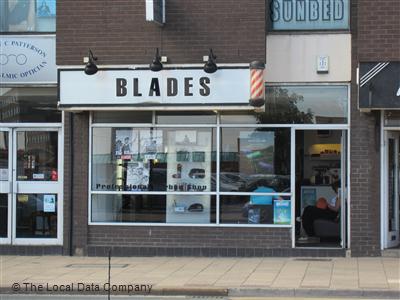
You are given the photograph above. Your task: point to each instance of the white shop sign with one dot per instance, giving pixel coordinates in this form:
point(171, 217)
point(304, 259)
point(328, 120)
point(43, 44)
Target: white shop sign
point(144, 87)
point(28, 59)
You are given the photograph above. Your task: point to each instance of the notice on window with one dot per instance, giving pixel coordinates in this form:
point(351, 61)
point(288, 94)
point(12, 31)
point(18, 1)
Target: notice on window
point(3, 174)
point(49, 203)
point(282, 212)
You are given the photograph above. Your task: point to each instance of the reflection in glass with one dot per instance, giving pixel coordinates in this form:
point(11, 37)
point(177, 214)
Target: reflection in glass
point(3, 156)
point(149, 159)
point(242, 210)
point(36, 216)
point(305, 105)
point(29, 105)
point(252, 158)
point(37, 155)
point(3, 215)
point(28, 15)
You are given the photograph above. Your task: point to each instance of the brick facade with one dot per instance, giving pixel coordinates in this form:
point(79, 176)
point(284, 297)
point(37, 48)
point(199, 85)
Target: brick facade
point(375, 37)
point(118, 33)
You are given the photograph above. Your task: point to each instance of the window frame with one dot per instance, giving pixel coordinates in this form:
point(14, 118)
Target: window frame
point(217, 193)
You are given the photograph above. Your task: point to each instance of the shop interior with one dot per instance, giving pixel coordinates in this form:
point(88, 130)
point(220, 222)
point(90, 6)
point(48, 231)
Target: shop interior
point(318, 170)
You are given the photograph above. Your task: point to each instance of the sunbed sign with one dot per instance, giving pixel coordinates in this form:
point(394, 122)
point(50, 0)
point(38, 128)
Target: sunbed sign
point(309, 14)
point(144, 87)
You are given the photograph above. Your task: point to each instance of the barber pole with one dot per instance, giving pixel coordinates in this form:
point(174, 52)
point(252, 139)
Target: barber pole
point(257, 89)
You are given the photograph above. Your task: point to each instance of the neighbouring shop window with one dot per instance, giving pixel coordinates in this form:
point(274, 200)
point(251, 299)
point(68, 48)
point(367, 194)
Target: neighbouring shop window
point(309, 14)
point(153, 159)
point(36, 216)
point(37, 156)
point(4, 164)
point(305, 105)
point(392, 118)
point(28, 15)
point(29, 105)
point(252, 158)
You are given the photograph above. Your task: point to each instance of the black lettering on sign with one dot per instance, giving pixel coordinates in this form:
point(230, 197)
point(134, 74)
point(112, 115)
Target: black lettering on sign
point(314, 10)
point(338, 10)
point(136, 87)
point(326, 10)
point(188, 86)
point(301, 10)
point(205, 90)
point(275, 8)
point(287, 10)
point(121, 87)
point(154, 87)
point(172, 87)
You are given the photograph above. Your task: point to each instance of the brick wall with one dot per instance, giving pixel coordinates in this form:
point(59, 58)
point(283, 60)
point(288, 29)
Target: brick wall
point(117, 32)
point(378, 30)
point(367, 25)
point(80, 182)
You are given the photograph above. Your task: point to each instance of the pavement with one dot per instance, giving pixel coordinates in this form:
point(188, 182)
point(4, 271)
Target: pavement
point(377, 277)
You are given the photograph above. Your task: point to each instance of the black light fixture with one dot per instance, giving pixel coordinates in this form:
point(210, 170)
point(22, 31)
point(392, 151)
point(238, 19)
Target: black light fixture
point(91, 68)
point(211, 66)
point(156, 65)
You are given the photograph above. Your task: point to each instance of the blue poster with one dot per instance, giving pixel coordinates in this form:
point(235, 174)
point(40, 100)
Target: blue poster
point(282, 212)
point(46, 8)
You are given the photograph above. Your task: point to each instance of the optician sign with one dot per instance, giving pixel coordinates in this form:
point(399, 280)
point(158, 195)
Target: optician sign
point(144, 87)
point(28, 59)
point(309, 14)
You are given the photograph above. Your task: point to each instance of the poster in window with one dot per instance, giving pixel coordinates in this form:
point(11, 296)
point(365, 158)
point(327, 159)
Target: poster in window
point(49, 203)
point(151, 143)
point(137, 176)
point(45, 8)
point(21, 15)
point(257, 152)
point(186, 137)
point(282, 212)
point(126, 143)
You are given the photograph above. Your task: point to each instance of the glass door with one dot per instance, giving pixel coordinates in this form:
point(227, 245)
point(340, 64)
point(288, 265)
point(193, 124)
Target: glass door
point(321, 175)
point(5, 186)
point(36, 186)
point(392, 189)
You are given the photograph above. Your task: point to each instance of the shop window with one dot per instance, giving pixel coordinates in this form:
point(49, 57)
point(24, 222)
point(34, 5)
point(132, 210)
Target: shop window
point(309, 14)
point(305, 105)
point(193, 209)
point(28, 15)
point(253, 156)
point(153, 159)
point(29, 105)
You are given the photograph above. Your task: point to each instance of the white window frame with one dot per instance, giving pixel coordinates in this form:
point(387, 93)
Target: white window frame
point(218, 126)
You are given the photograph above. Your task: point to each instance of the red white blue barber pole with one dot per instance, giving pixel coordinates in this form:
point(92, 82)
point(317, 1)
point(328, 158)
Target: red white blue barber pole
point(257, 89)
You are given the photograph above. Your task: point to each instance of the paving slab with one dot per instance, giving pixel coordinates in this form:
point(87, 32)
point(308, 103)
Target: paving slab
point(352, 277)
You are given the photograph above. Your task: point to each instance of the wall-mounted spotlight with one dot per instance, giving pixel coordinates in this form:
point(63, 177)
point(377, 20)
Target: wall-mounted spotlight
point(91, 68)
point(156, 65)
point(211, 66)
